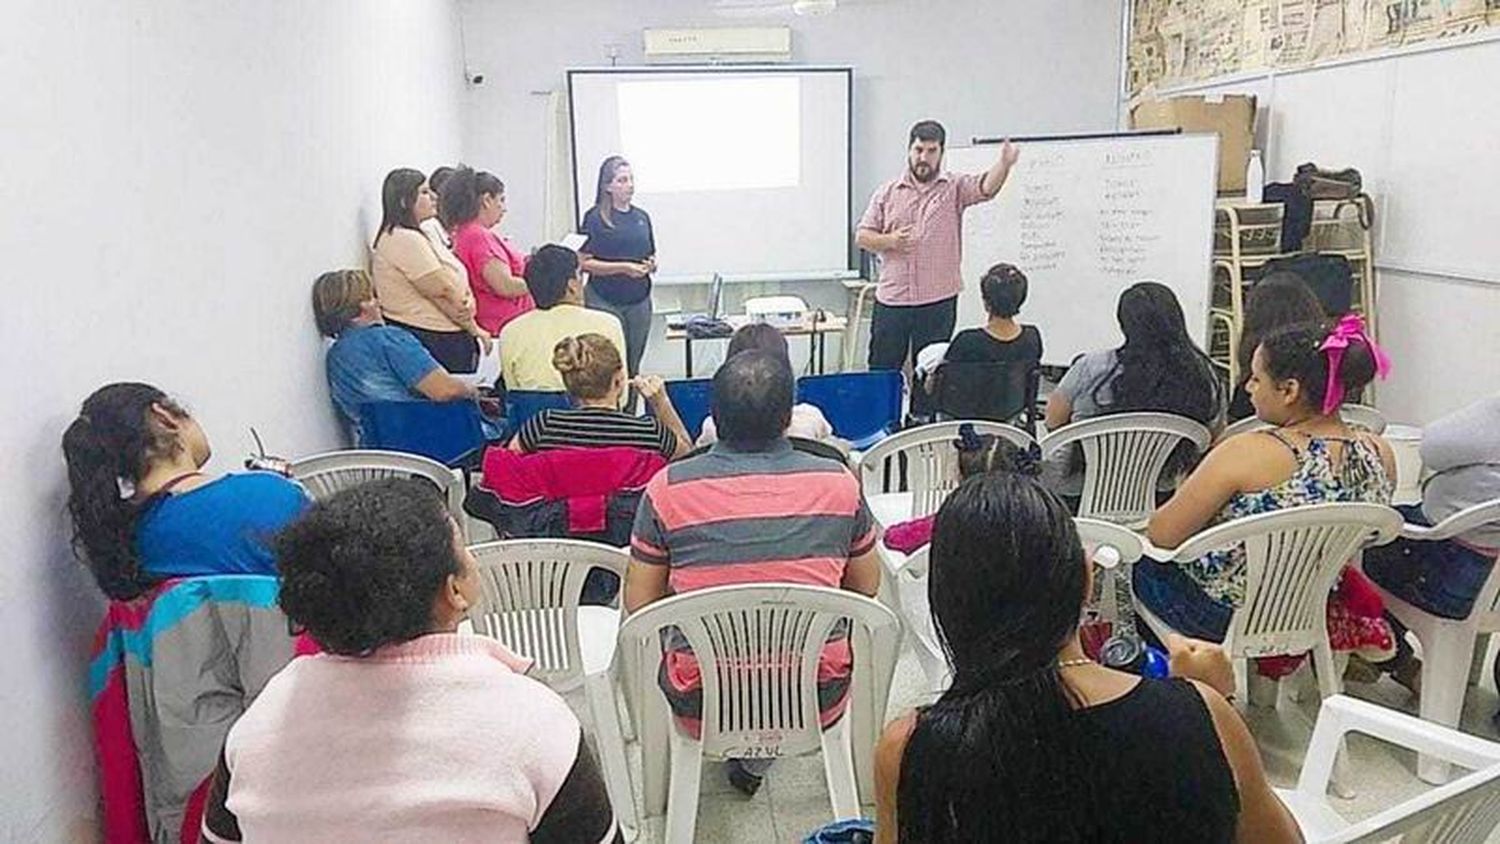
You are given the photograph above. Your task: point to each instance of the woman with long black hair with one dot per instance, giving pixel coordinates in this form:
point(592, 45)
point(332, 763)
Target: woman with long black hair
point(620, 256)
point(1035, 742)
point(1158, 369)
point(144, 510)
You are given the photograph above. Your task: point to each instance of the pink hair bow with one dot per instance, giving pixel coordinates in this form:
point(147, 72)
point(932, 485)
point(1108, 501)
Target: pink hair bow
point(1350, 327)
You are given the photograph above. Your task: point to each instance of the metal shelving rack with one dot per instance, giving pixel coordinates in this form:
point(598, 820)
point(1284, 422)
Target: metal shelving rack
point(1248, 236)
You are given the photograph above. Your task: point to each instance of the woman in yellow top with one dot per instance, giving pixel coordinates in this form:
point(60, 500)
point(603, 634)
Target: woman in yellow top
point(421, 285)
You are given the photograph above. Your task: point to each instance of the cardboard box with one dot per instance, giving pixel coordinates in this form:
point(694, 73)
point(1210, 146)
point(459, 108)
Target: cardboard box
point(1233, 117)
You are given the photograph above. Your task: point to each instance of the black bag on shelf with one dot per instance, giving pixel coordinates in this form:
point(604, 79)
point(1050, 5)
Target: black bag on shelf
point(1319, 183)
point(1329, 277)
point(1296, 219)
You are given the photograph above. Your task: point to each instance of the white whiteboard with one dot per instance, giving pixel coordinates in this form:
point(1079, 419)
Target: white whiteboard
point(1085, 219)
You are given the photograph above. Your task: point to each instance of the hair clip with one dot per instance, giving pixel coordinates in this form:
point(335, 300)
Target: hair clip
point(126, 487)
point(968, 438)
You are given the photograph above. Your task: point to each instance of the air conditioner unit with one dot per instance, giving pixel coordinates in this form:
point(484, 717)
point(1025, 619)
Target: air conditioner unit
point(726, 45)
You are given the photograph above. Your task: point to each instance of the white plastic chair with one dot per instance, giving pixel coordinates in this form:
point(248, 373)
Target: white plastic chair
point(529, 593)
point(758, 647)
point(931, 461)
point(909, 583)
point(1447, 644)
point(1127, 547)
point(333, 471)
point(1464, 811)
point(1123, 456)
point(1357, 415)
point(1292, 559)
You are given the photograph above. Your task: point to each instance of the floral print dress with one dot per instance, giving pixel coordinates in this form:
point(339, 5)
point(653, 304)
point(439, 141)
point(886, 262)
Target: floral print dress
point(1355, 615)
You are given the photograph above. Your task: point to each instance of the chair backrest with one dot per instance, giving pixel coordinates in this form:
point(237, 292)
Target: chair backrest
point(1363, 416)
point(758, 648)
point(529, 596)
point(330, 472)
point(1466, 810)
point(1249, 423)
point(691, 397)
point(521, 405)
point(1465, 520)
point(1292, 559)
point(1123, 456)
point(916, 615)
point(1098, 534)
point(1357, 415)
point(860, 406)
point(928, 459)
point(1000, 392)
point(447, 432)
point(817, 448)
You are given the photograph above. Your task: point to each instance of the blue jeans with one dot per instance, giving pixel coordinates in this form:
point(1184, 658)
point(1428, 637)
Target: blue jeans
point(1172, 596)
point(1442, 578)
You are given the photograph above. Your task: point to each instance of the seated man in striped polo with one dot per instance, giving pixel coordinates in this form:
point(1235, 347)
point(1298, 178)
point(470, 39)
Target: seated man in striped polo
point(751, 510)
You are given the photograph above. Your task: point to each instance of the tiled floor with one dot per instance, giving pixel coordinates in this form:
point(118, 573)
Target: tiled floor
point(794, 800)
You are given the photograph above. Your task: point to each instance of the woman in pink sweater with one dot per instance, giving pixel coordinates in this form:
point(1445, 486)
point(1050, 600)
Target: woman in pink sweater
point(403, 730)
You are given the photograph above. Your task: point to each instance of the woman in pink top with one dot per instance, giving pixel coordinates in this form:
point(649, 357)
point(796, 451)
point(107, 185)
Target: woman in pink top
point(472, 204)
point(403, 730)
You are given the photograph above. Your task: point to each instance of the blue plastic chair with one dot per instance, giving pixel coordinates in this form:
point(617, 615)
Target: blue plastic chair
point(863, 407)
point(448, 432)
point(521, 405)
point(692, 397)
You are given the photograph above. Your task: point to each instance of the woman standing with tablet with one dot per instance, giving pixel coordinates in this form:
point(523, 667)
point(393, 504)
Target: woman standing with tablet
point(620, 256)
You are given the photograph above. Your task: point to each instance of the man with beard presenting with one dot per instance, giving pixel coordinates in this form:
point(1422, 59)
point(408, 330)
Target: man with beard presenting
point(916, 224)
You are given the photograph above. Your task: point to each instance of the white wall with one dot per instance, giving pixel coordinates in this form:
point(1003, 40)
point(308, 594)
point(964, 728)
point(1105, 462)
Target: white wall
point(996, 67)
point(1439, 329)
point(176, 173)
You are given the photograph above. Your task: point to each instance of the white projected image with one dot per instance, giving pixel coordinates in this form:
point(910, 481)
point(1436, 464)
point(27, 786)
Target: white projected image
point(712, 134)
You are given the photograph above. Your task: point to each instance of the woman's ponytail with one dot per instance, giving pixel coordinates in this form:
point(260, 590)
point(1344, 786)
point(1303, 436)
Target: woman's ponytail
point(107, 450)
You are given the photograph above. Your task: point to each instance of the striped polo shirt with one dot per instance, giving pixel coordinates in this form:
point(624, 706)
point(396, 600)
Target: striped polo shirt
point(774, 516)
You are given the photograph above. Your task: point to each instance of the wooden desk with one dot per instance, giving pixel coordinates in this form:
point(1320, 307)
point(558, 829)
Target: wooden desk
point(818, 330)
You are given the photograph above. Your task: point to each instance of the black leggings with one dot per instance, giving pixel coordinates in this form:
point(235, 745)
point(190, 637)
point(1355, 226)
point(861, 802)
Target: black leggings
point(455, 350)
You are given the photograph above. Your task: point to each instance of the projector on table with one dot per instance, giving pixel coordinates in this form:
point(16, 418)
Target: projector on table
point(777, 311)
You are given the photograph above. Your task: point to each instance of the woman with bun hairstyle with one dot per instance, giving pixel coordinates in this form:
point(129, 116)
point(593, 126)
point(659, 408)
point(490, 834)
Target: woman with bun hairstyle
point(143, 509)
point(595, 378)
point(422, 287)
point(403, 729)
point(1299, 376)
point(473, 204)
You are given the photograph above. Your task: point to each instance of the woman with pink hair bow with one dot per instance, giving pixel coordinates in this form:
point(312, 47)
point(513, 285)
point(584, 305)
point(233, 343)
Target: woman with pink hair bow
point(1299, 376)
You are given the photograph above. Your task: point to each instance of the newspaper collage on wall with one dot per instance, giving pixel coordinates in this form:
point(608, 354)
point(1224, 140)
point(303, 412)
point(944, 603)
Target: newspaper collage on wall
point(1179, 42)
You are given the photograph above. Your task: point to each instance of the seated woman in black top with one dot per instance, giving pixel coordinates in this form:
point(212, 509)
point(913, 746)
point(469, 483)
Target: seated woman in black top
point(1035, 742)
point(1002, 339)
